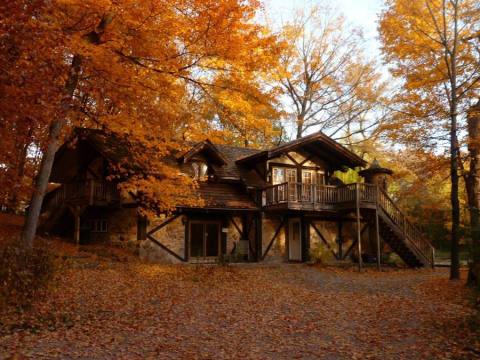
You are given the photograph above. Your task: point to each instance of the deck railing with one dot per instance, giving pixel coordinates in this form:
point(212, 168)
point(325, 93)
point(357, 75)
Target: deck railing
point(412, 235)
point(318, 196)
point(89, 192)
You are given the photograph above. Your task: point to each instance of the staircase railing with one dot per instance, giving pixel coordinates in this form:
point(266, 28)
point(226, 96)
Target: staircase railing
point(368, 194)
point(411, 234)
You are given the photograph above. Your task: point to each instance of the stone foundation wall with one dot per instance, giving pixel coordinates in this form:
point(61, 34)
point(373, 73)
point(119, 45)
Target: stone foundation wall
point(329, 231)
point(121, 226)
point(171, 235)
point(233, 235)
point(278, 251)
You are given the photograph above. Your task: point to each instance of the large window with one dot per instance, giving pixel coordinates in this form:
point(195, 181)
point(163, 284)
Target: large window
point(278, 175)
point(200, 170)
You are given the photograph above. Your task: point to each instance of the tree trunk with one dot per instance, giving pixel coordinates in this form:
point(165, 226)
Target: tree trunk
point(454, 149)
point(300, 122)
point(31, 221)
point(473, 192)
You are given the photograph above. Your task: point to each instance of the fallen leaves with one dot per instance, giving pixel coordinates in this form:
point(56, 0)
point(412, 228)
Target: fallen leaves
point(134, 310)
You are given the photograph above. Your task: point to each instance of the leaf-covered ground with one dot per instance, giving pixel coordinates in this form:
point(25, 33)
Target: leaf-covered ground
point(115, 309)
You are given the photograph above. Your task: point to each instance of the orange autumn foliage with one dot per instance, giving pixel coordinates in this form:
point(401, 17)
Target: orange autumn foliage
point(149, 72)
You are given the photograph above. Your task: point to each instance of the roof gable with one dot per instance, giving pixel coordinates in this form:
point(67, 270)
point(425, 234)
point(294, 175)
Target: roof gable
point(318, 144)
point(206, 147)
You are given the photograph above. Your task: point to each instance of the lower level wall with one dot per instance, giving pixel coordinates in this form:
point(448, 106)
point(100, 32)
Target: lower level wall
point(174, 236)
point(278, 249)
point(123, 228)
point(171, 235)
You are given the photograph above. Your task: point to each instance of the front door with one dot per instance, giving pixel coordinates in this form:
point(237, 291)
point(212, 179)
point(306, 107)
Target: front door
point(294, 240)
point(204, 239)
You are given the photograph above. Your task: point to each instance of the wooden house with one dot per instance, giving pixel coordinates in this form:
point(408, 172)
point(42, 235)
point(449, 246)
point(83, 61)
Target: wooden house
point(278, 204)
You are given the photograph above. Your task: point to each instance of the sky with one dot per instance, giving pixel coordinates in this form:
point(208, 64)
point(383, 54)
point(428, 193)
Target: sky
point(360, 13)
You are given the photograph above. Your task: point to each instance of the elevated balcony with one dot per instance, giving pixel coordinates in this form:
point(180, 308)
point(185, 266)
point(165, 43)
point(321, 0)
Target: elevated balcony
point(90, 192)
point(300, 196)
point(395, 228)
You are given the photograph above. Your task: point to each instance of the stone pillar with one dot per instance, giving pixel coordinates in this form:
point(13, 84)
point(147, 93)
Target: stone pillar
point(377, 175)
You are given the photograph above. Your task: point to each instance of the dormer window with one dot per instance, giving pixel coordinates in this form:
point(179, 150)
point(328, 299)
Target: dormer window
point(200, 170)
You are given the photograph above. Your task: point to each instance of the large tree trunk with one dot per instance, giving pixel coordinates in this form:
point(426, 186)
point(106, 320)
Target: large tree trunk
point(454, 150)
point(473, 191)
point(43, 176)
point(300, 122)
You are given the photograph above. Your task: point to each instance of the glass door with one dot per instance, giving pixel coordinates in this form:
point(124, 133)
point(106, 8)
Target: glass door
point(307, 188)
point(278, 177)
point(204, 239)
point(292, 184)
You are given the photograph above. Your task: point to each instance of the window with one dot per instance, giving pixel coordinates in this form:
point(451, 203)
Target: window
point(200, 170)
point(307, 191)
point(320, 178)
point(292, 184)
point(278, 175)
point(98, 225)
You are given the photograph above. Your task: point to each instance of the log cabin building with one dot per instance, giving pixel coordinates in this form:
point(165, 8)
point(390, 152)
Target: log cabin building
point(273, 205)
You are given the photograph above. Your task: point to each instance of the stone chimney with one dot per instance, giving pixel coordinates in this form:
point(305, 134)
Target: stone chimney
point(376, 174)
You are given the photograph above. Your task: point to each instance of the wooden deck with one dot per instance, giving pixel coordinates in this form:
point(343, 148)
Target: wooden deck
point(393, 225)
point(299, 196)
point(91, 192)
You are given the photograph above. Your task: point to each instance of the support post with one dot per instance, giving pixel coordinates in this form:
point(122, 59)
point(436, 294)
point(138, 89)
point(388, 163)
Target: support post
point(359, 235)
point(340, 240)
point(77, 227)
point(92, 191)
point(377, 235)
point(258, 237)
point(305, 239)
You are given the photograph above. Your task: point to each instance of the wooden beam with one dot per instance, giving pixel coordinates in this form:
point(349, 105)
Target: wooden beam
point(77, 212)
point(258, 236)
point(377, 229)
point(359, 235)
point(273, 238)
point(77, 229)
point(166, 222)
point(354, 243)
point(305, 226)
point(377, 236)
point(171, 252)
point(324, 240)
point(292, 159)
point(309, 157)
point(340, 240)
point(240, 232)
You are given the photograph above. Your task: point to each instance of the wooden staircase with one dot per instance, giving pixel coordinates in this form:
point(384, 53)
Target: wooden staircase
point(394, 227)
point(402, 235)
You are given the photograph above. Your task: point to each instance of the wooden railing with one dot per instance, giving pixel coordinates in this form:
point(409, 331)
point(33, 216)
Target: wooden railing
point(89, 192)
point(411, 234)
point(373, 195)
point(318, 194)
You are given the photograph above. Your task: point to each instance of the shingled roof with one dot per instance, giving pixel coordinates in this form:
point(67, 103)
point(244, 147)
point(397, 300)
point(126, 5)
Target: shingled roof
point(312, 143)
point(224, 196)
point(232, 165)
